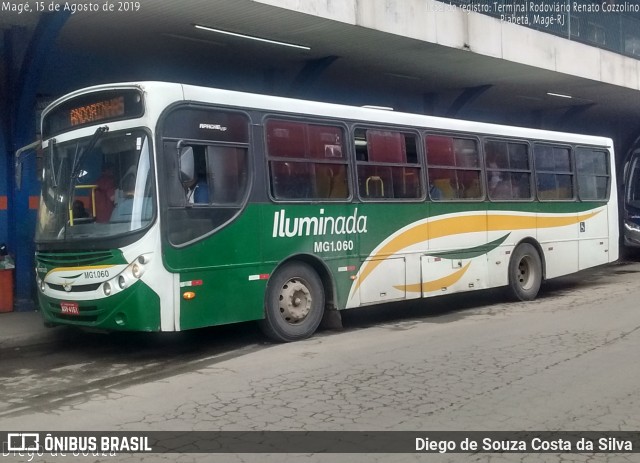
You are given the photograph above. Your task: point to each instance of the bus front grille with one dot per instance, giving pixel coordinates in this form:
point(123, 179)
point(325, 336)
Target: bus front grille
point(75, 289)
point(75, 259)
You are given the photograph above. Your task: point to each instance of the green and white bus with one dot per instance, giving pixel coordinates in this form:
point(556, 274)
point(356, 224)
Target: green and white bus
point(168, 207)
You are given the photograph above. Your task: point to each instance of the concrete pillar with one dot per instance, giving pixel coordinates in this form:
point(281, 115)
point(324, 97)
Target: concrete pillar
point(23, 203)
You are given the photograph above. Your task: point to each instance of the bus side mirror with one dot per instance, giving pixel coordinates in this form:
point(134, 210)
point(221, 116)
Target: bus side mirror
point(186, 165)
point(19, 159)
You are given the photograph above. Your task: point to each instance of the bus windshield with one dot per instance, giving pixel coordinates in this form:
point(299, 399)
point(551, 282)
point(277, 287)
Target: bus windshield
point(97, 186)
point(633, 187)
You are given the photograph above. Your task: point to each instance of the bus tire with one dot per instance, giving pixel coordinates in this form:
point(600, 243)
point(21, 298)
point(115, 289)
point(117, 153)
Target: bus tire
point(294, 303)
point(525, 272)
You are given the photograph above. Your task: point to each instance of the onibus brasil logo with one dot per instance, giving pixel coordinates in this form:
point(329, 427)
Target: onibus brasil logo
point(82, 444)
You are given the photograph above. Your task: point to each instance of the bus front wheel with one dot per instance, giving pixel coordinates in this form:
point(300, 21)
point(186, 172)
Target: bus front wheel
point(294, 303)
point(525, 272)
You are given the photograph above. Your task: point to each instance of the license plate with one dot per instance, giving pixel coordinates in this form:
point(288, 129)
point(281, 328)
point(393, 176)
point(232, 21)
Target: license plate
point(70, 308)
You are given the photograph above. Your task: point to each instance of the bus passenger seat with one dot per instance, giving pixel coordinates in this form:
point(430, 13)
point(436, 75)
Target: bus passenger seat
point(374, 187)
point(473, 190)
point(444, 185)
point(339, 186)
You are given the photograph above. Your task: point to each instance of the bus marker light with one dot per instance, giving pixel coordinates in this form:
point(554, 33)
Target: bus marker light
point(353, 277)
point(348, 268)
point(185, 284)
point(262, 276)
point(188, 295)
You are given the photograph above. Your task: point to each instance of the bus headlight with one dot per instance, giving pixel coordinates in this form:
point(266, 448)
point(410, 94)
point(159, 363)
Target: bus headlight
point(634, 227)
point(138, 266)
point(136, 270)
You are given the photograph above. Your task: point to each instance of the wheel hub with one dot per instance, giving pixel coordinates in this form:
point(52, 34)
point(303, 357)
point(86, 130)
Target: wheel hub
point(524, 273)
point(295, 301)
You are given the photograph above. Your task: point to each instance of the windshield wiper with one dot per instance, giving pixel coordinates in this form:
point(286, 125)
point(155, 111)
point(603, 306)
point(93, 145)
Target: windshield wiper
point(52, 167)
point(77, 159)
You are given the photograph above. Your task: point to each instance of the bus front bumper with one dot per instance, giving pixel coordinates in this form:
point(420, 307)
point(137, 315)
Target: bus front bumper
point(136, 309)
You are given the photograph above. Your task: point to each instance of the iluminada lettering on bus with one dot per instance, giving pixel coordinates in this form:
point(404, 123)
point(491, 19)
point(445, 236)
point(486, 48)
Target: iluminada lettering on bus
point(288, 227)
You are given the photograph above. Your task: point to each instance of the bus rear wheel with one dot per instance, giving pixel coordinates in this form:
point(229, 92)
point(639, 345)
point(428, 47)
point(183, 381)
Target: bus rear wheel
point(294, 303)
point(525, 272)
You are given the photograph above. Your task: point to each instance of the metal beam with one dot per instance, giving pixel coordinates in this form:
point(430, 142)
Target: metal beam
point(309, 74)
point(429, 103)
point(468, 96)
point(572, 113)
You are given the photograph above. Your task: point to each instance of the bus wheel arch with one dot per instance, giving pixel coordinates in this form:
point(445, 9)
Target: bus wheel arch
point(526, 270)
point(295, 298)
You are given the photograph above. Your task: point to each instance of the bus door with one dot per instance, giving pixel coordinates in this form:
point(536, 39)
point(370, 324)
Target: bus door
point(209, 230)
point(594, 184)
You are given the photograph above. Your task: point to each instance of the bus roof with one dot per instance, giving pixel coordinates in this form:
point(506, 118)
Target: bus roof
point(300, 107)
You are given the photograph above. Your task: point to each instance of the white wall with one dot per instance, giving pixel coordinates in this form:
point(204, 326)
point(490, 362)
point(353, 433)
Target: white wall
point(442, 24)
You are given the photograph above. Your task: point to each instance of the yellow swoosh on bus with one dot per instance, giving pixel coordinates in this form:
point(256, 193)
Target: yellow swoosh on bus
point(435, 285)
point(464, 224)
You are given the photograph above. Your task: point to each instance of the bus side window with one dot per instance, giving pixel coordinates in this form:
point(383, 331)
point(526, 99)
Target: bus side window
point(388, 165)
point(593, 174)
point(226, 174)
point(554, 174)
point(453, 168)
point(306, 161)
point(508, 170)
point(291, 180)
